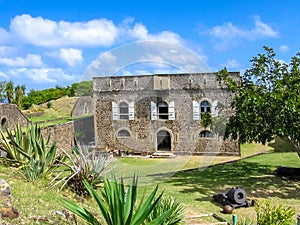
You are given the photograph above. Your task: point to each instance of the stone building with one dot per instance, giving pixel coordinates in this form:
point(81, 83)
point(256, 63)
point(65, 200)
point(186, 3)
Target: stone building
point(163, 112)
point(10, 115)
point(83, 106)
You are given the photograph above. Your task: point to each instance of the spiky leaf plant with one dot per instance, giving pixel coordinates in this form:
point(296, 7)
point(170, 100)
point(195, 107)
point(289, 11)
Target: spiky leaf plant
point(81, 165)
point(27, 149)
point(121, 207)
point(165, 204)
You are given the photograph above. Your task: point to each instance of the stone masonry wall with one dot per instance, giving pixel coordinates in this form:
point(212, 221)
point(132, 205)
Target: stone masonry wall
point(182, 89)
point(10, 115)
point(62, 134)
point(84, 105)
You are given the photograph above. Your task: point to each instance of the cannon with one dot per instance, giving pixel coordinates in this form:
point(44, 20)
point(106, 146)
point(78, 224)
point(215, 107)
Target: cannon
point(235, 198)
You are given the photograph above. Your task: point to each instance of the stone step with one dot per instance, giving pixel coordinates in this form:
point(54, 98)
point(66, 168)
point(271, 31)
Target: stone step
point(162, 155)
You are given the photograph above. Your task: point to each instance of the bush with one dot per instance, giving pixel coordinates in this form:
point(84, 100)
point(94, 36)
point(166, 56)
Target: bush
point(273, 215)
point(79, 166)
point(28, 150)
point(164, 205)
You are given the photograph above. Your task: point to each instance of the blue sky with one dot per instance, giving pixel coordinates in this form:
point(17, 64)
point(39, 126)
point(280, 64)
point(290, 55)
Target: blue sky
point(50, 42)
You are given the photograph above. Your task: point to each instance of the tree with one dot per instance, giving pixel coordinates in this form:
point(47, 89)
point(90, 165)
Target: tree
point(10, 91)
point(267, 101)
point(19, 95)
point(2, 91)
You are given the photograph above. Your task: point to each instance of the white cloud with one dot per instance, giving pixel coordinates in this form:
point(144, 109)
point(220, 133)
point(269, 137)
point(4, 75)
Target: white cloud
point(6, 51)
point(4, 36)
point(140, 32)
point(232, 64)
point(3, 75)
point(284, 48)
point(228, 34)
point(47, 33)
point(42, 32)
point(29, 61)
point(70, 56)
point(41, 75)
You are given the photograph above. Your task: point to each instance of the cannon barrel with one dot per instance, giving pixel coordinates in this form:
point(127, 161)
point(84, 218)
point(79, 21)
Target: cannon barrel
point(237, 195)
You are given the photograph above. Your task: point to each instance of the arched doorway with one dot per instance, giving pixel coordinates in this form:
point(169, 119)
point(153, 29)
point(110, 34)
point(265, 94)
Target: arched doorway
point(163, 141)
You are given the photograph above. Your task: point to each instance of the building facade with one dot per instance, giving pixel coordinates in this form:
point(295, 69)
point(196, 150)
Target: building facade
point(163, 112)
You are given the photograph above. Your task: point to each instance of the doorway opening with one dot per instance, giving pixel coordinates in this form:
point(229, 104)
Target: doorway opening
point(163, 141)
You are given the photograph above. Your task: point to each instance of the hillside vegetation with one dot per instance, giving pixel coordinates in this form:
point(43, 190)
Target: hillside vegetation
point(56, 109)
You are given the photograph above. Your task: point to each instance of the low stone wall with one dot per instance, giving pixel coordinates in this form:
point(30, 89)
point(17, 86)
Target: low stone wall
point(62, 133)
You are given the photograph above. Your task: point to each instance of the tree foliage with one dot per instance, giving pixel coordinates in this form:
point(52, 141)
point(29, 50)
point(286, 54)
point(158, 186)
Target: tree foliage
point(10, 91)
point(267, 102)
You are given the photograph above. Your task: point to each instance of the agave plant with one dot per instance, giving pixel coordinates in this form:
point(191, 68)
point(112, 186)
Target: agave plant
point(28, 150)
point(165, 204)
point(120, 207)
point(81, 165)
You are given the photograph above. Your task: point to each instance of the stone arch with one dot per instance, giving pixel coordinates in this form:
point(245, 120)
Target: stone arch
point(206, 134)
point(123, 133)
point(164, 140)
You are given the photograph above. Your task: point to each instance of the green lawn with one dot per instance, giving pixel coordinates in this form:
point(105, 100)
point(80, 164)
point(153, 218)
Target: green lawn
point(194, 188)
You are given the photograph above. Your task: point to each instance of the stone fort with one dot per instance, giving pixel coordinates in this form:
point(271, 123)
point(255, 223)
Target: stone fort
point(162, 113)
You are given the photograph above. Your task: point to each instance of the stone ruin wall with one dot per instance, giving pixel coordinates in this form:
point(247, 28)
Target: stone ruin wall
point(84, 105)
point(63, 133)
point(10, 115)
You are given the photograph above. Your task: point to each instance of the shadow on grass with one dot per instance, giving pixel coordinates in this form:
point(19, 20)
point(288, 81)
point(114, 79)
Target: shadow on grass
point(258, 180)
point(282, 145)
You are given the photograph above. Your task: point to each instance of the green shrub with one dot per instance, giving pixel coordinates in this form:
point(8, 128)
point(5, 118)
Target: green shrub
point(273, 214)
point(206, 119)
point(120, 207)
point(28, 150)
point(49, 104)
point(164, 205)
point(79, 166)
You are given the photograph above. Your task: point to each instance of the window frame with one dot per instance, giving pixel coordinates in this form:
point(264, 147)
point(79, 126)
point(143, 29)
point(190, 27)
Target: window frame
point(163, 115)
point(206, 134)
point(124, 115)
point(206, 105)
point(128, 135)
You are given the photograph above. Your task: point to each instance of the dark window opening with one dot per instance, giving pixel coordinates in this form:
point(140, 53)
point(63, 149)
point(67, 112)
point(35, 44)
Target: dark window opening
point(206, 134)
point(3, 122)
point(163, 111)
point(205, 107)
point(123, 133)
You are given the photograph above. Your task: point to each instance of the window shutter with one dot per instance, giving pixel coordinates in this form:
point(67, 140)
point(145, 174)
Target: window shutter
point(196, 111)
point(115, 115)
point(153, 111)
point(171, 111)
point(131, 111)
point(214, 110)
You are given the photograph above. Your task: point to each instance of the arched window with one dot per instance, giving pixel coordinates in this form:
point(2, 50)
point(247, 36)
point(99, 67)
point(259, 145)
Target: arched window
point(3, 122)
point(163, 110)
point(205, 107)
point(123, 110)
point(123, 133)
point(206, 134)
